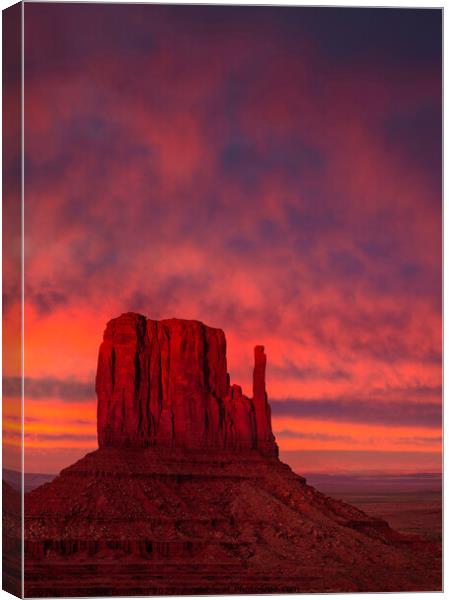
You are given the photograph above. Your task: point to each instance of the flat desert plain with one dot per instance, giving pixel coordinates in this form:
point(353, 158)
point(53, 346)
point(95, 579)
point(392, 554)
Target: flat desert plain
point(411, 504)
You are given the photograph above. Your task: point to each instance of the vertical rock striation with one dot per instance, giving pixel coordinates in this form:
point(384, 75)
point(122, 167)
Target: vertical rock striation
point(165, 383)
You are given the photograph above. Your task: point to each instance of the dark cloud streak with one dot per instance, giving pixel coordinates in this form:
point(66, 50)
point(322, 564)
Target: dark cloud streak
point(372, 411)
point(67, 390)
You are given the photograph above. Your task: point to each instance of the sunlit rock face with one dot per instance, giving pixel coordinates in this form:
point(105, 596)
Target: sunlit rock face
point(165, 383)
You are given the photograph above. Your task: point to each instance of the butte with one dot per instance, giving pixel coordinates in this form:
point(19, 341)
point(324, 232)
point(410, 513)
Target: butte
point(186, 493)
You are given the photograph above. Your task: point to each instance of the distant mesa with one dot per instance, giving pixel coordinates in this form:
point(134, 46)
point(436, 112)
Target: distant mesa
point(165, 383)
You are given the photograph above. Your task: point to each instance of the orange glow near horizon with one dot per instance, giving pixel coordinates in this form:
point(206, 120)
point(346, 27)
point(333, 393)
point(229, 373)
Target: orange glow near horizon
point(295, 205)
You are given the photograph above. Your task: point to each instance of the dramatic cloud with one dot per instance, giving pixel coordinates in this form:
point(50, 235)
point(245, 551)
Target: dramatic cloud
point(64, 390)
point(286, 433)
point(272, 171)
point(424, 414)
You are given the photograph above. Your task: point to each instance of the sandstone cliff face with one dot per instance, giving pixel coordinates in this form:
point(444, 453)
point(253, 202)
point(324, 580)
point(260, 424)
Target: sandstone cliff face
point(165, 383)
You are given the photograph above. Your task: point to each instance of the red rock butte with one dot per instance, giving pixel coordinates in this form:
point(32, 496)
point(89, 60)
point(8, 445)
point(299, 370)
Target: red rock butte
point(165, 383)
point(186, 493)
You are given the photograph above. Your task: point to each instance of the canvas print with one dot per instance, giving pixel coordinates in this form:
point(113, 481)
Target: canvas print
point(226, 263)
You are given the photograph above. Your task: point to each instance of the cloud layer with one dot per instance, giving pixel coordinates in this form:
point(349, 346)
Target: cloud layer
point(274, 172)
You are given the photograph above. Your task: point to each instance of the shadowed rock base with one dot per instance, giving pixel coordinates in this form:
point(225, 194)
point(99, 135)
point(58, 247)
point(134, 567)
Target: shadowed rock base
point(134, 521)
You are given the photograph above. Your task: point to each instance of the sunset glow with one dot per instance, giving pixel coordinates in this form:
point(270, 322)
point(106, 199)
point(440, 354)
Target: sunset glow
point(273, 172)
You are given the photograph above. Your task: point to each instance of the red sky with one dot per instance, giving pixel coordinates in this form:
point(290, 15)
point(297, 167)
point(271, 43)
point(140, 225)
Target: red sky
point(275, 172)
